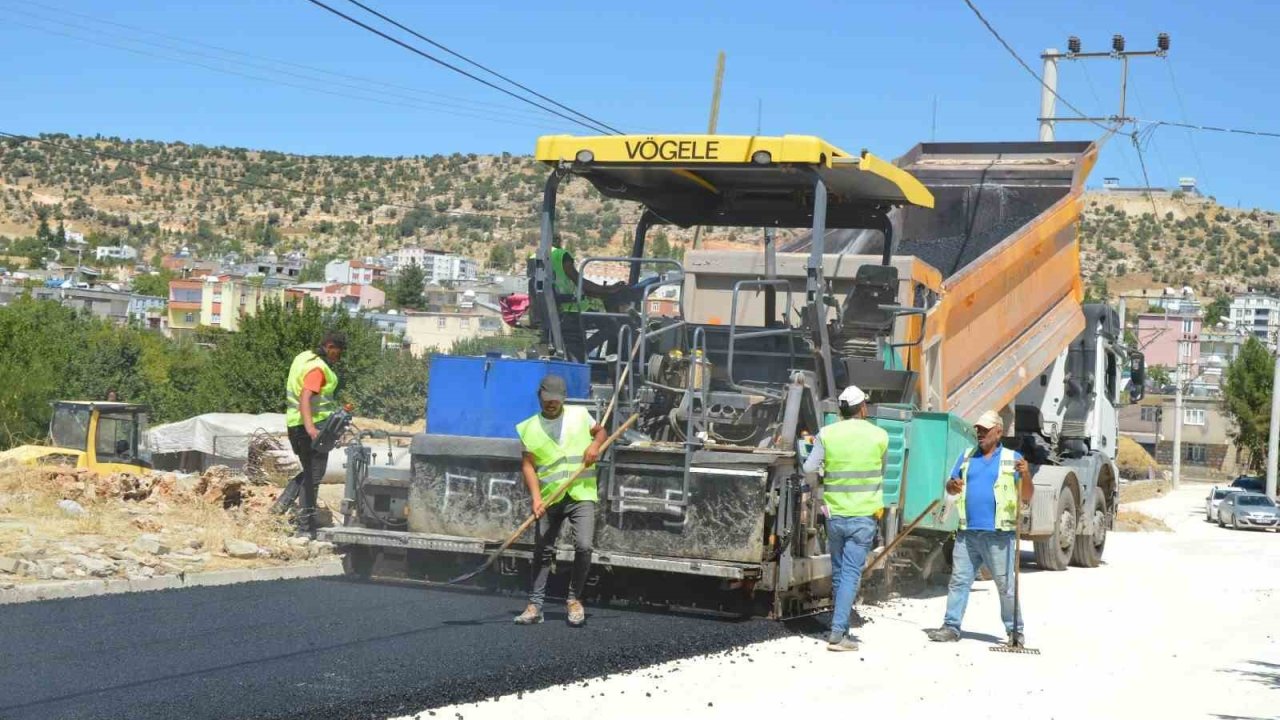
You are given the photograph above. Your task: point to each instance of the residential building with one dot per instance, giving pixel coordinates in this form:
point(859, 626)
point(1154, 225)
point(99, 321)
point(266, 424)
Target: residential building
point(1177, 302)
point(219, 301)
point(437, 331)
point(149, 311)
point(1168, 339)
point(119, 252)
point(287, 268)
point(1258, 314)
point(185, 303)
point(437, 266)
point(348, 296)
point(353, 272)
point(1219, 347)
point(186, 265)
point(391, 326)
point(1207, 449)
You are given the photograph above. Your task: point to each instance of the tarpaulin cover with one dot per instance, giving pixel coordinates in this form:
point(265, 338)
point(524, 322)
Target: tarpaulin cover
point(221, 434)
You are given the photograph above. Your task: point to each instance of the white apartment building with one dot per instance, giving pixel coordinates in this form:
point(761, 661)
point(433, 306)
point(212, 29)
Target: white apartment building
point(351, 272)
point(1257, 314)
point(113, 252)
point(437, 266)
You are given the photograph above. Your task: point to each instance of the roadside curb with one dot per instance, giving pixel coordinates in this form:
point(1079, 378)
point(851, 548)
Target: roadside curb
point(90, 588)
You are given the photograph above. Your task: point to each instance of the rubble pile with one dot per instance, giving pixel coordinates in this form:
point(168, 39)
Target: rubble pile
point(67, 524)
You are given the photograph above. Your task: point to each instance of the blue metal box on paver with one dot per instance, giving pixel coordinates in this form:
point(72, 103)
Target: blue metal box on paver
point(486, 396)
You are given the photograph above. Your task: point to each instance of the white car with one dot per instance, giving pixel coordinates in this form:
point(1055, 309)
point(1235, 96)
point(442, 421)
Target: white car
point(1214, 499)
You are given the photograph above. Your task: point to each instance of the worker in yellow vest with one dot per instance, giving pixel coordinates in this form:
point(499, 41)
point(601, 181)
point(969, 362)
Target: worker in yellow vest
point(309, 401)
point(986, 485)
point(564, 282)
point(557, 442)
point(851, 455)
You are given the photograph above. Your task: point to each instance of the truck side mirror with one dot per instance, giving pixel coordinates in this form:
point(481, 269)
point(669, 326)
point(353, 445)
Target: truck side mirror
point(1137, 376)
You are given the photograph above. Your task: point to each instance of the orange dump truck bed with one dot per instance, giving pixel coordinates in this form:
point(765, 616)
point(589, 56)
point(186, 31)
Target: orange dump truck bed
point(1003, 234)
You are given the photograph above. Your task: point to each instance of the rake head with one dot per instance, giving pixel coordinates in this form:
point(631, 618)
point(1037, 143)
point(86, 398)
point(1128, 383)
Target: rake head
point(1018, 649)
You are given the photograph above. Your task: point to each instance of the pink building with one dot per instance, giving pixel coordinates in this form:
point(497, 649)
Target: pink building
point(351, 297)
point(1159, 336)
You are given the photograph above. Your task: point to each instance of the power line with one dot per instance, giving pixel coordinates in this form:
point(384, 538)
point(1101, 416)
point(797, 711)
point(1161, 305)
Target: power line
point(452, 67)
point(473, 63)
point(1212, 128)
point(435, 106)
point(1027, 67)
point(365, 81)
point(1182, 108)
point(245, 183)
point(1146, 179)
point(1124, 158)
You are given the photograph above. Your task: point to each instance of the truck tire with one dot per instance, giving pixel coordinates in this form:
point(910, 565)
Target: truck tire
point(1088, 550)
point(1054, 552)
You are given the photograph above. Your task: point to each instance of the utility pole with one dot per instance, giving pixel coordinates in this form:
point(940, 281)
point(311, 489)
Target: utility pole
point(1051, 57)
point(1273, 439)
point(1177, 420)
point(711, 124)
point(1048, 99)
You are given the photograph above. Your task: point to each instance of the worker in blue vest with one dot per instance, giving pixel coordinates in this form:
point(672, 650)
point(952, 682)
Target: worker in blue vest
point(851, 455)
point(986, 485)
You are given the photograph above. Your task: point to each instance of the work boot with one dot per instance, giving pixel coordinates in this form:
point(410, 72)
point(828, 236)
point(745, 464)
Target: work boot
point(577, 615)
point(841, 643)
point(1017, 640)
point(946, 633)
point(532, 615)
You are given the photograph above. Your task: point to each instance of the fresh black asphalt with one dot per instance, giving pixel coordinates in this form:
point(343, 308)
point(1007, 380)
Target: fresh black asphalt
point(326, 648)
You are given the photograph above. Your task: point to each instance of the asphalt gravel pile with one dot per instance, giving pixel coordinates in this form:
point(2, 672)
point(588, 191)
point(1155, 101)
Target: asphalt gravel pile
point(953, 253)
point(326, 648)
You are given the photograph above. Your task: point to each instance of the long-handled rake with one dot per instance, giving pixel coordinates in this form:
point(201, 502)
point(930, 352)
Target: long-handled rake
point(1015, 638)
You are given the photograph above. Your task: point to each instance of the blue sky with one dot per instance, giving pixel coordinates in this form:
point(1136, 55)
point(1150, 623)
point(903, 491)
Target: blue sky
point(859, 74)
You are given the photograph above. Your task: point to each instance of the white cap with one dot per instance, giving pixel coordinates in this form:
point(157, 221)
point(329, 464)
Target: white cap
point(853, 396)
point(990, 419)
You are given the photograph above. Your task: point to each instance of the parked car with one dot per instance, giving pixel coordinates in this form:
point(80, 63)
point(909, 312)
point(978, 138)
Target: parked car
point(1248, 510)
point(1250, 483)
point(1214, 498)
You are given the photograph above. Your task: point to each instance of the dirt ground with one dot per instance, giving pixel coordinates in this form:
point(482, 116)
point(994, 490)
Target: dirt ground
point(58, 524)
point(1179, 624)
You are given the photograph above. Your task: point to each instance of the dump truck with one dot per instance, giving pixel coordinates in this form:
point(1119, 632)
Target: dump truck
point(943, 284)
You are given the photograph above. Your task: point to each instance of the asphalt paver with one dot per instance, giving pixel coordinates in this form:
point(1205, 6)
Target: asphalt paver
point(319, 648)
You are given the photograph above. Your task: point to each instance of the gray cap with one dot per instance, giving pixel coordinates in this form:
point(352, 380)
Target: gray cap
point(552, 388)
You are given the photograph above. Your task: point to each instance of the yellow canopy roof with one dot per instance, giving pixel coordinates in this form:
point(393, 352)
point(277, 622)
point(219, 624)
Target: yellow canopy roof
point(735, 179)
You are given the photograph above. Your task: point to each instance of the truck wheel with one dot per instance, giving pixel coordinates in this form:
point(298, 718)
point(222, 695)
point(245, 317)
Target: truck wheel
point(1054, 552)
point(1088, 551)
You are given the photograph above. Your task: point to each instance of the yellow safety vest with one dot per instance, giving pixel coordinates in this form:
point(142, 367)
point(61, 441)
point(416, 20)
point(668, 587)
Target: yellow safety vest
point(322, 405)
point(853, 464)
point(1006, 491)
point(564, 286)
point(556, 462)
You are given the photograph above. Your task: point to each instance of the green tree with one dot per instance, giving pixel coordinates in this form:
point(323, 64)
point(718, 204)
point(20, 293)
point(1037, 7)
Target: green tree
point(407, 291)
point(1216, 310)
point(501, 256)
point(1246, 399)
point(1159, 375)
point(248, 368)
point(516, 342)
point(395, 389)
point(156, 285)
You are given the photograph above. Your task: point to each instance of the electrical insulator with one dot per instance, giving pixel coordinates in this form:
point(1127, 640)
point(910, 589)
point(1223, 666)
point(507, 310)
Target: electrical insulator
point(1073, 45)
point(1162, 42)
point(1117, 43)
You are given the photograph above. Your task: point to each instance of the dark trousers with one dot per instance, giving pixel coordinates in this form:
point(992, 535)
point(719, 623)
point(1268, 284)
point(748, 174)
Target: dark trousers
point(582, 519)
point(306, 484)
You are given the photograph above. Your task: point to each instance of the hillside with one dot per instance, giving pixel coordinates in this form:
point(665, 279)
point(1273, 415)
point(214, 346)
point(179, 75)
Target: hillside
point(217, 199)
